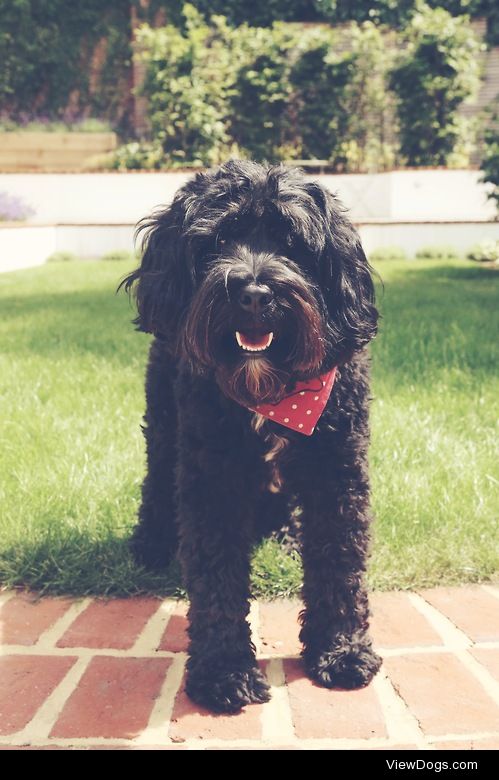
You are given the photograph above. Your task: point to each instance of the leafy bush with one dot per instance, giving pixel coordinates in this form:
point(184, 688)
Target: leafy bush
point(134, 156)
point(119, 255)
point(441, 252)
point(188, 81)
point(490, 153)
point(437, 70)
point(261, 108)
point(487, 251)
point(67, 60)
point(387, 253)
point(14, 209)
point(62, 257)
point(320, 78)
point(269, 93)
point(42, 125)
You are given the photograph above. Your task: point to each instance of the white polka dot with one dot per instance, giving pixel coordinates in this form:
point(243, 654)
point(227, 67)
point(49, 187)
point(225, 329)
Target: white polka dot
point(286, 419)
point(316, 398)
point(271, 414)
point(323, 384)
point(300, 425)
point(302, 392)
point(309, 411)
point(294, 406)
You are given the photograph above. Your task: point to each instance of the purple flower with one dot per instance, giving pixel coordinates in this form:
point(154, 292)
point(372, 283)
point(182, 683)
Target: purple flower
point(13, 209)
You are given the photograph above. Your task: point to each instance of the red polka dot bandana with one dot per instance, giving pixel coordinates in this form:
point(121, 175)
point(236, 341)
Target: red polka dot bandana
point(301, 410)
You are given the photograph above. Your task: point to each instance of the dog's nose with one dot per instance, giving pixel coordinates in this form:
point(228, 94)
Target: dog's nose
point(255, 298)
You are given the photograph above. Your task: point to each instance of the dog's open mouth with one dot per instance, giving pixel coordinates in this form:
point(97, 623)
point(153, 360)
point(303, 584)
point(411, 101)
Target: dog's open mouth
point(254, 343)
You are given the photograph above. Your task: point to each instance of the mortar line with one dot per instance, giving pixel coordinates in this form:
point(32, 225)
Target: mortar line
point(156, 731)
point(277, 718)
point(494, 591)
point(48, 639)
point(480, 673)
point(150, 636)
point(194, 743)
point(48, 713)
point(452, 636)
point(401, 725)
point(254, 621)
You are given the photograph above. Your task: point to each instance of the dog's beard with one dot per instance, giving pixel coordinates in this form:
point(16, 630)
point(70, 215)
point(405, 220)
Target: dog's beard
point(297, 351)
point(253, 380)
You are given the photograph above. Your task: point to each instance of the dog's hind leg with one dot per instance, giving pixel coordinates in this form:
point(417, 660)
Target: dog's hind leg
point(154, 540)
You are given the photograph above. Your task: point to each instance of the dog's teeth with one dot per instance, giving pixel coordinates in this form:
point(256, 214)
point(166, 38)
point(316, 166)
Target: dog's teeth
point(249, 348)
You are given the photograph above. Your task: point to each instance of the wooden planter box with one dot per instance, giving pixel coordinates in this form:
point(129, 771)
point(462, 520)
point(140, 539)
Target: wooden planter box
point(26, 151)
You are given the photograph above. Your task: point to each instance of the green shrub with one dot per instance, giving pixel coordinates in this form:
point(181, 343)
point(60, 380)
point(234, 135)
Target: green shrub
point(387, 253)
point(490, 152)
point(119, 255)
point(62, 257)
point(487, 251)
point(136, 155)
point(189, 77)
point(270, 93)
point(438, 68)
point(320, 78)
point(442, 252)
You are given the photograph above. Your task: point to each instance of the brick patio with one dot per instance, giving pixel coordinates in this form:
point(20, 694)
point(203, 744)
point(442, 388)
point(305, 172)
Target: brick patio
point(102, 675)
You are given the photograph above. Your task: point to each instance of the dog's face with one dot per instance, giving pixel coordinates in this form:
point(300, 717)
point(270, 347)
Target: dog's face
point(256, 275)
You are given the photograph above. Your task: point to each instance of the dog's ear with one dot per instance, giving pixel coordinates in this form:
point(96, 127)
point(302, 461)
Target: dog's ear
point(345, 277)
point(163, 283)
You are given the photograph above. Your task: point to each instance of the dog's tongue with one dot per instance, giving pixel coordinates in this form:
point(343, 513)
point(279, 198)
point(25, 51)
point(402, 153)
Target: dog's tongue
point(254, 341)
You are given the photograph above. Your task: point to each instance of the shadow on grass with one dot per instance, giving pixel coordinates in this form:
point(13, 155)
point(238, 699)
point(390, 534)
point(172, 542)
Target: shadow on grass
point(78, 565)
point(76, 322)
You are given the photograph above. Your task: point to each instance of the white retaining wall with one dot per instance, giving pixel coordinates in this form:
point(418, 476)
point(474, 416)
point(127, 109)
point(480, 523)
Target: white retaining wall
point(94, 213)
point(26, 246)
point(118, 198)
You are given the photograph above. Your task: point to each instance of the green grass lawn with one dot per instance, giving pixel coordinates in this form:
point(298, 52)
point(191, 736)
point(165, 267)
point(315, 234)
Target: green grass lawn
point(72, 456)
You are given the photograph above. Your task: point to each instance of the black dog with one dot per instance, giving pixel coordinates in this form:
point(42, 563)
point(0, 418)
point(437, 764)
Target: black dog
point(256, 288)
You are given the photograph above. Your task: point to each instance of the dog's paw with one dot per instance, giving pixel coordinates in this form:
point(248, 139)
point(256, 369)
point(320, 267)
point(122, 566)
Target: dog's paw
point(228, 691)
point(345, 667)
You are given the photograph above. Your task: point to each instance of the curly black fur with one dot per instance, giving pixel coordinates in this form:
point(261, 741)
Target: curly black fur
point(211, 461)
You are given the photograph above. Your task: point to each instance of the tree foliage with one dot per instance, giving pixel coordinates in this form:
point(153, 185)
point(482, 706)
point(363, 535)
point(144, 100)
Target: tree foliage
point(438, 69)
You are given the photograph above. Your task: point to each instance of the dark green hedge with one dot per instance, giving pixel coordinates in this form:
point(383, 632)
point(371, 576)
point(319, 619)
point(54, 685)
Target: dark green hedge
point(289, 92)
point(46, 49)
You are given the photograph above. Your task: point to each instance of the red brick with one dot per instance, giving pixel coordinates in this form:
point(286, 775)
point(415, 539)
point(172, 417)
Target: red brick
point(442, 694)
point(190, 721)
point(25, 683)
point(114, 698)
point(471, 609)
point(470, 744)
point(489, 658)
point(23, 618)
point(397, 623)
point(175, 637)
point(115, 624)
point(318, 712)
point(279, 627)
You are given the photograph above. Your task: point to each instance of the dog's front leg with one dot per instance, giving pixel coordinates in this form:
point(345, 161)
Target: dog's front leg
point(334, 494)
point(215, 532)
